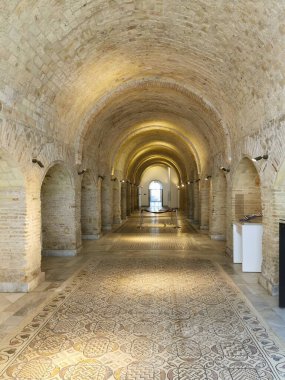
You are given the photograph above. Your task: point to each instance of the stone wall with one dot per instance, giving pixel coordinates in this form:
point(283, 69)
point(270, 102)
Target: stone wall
point(218, 206)
point(198, 87)
point(90, 226)
point(59, 216)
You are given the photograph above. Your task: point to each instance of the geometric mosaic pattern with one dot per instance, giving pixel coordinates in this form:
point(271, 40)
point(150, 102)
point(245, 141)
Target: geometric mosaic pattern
point(151, 318)
point(145, 317)
point(167, 242)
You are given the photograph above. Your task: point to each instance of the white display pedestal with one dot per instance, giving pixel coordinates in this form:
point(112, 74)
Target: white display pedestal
point(248, 246)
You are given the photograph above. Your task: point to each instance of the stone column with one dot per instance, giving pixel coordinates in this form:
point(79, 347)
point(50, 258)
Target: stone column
point(132, 197)
point(107, 203)
point(204, 204)
point(116, 202)
point(129, 201)
point(196, 201)
point(90, 208)
point(190, 202)
point(218, 210)
point(98, 214)
point(124, 200)
point(136, 198)
point(185, 199)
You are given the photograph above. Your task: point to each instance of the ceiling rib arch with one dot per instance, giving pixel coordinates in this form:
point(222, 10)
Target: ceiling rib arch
point(148, 141)
point(104, 105)
point(151, 161)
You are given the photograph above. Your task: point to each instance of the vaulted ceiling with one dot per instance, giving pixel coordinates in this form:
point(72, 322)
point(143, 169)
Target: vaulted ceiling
point(129, 80)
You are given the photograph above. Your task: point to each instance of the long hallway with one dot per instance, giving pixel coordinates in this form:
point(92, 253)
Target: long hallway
point(149, 303)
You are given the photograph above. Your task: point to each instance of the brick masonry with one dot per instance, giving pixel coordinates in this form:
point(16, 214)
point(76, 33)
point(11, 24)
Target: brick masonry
point(117, 86)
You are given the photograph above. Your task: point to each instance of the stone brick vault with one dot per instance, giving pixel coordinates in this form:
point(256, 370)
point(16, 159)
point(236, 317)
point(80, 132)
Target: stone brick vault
point(95, 92)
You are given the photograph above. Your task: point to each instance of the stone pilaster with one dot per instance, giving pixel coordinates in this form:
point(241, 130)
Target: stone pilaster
point(196, 201)
point(204, 204)
point(107, 203)
point(123, 200)
point(116, 202)
point(129, 200)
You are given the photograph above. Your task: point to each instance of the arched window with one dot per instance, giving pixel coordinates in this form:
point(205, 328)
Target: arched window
point(155, 195)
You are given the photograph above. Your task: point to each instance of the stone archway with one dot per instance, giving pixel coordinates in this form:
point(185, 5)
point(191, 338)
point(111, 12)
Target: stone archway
point(218, 207)
point(59, 230)
point(246, 193)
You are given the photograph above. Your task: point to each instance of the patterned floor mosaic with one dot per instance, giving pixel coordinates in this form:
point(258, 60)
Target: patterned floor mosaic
point(149, 317)
point(153, 242)
point(157, 224)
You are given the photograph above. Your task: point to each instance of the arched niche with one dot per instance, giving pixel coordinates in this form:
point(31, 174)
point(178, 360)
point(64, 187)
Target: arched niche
point(246, 194)
point(59, 230)
point(218, 206)
point(90, 208)
point(19, 256)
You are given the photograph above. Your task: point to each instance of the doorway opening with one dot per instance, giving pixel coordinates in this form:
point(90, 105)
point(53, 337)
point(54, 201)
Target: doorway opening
point(155, 195)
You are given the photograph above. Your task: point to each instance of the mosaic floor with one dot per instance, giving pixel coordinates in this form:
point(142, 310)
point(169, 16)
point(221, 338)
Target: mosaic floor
point(148, 313)
point(158, 224)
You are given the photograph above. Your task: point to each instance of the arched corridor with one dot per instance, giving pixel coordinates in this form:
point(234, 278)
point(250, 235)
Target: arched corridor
point(99, 101)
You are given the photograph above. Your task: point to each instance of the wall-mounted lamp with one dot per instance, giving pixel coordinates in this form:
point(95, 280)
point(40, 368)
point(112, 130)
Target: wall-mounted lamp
point(82, 171)
point(225, 169)
point(178, 187)
point(101, 176)
point(123, 181)
point(35, 161)
point(188, 182)
point(208, 177)
point(258, 158)
point(182, 185)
